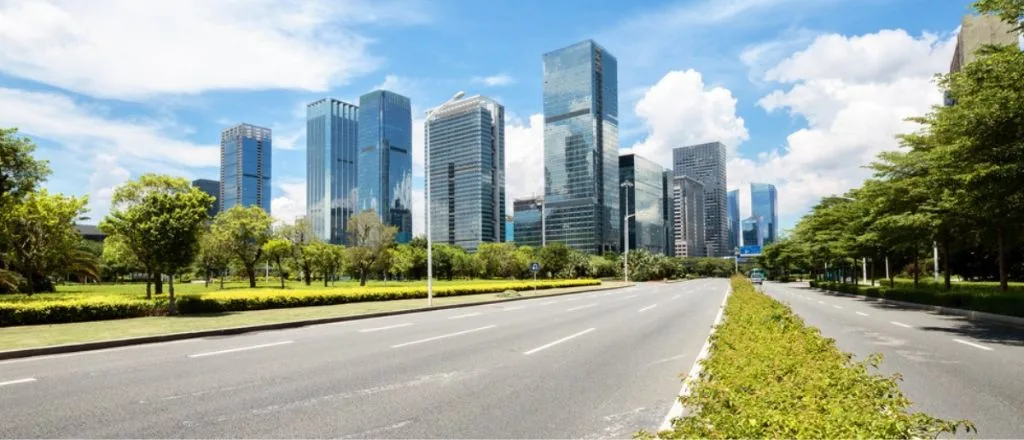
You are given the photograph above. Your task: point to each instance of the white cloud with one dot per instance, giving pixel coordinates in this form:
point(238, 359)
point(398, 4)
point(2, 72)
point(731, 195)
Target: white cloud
point(419, 218)
point(107, 175)
point(524, 158)
point(501, 79)
point(399, 84)
point(130, 49)
point(291, 201)
point(681, 110)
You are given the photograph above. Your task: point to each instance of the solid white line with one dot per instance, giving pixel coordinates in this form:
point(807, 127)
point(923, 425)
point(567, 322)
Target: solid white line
point(17, 381)
point(573, 299)
point(821, 302)
point(900, 324)
point(232, 350)
point(434, 338)
point(580, 308)
point(367, 330)
point(962, 342)
point(508, 309)
point(551, 344)
point(547, 303)
point(628, 297)
point(863, 314)
point(838, 307)
point(647, 308)
point(675, 297)
point(464, 316)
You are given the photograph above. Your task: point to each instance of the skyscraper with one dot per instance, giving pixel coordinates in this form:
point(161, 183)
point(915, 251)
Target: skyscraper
point(764, 205)
point(734, 220)
point(332, 154)
point(752, 232)
point(977, 31)
point(385, 159)
point(689, 217)
point(245, 153)
point(467, 172)
point(581, 147)
point(211, 187)
point(526, 217)
point(644, 199)
point(705, 163)
point(668, 212)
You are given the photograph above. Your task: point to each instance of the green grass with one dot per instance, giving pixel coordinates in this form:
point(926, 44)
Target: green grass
point(56, 334)
point(955, 286)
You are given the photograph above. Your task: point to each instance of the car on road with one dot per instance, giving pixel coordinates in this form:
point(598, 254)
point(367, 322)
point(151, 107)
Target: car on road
point(757, 278)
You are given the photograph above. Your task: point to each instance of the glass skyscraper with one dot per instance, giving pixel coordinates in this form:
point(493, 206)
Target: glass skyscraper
point(466, 140)
point(764, 205)
point(734, 220)
point(527, 222)
point(688, 217)
point(581, 147)
point(245, 167)
point(705, 163)
point(385, 159)
point(752, 232)
point(668, 213)
point(645, 199)
point(211, 187)
point(331, 162)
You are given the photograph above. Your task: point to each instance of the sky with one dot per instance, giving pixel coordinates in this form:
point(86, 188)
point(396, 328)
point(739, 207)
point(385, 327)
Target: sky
point(803, 92)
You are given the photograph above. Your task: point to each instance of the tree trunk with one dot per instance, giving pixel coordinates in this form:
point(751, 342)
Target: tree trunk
point(171, 304)
point(362, 278)
point(1003, 285)
point(207, 283)
point(31, 282)
point(159, 283)
point(917, 275)
point(149, 285)
point(325, 280)
point(280, 272)
point(305, 274)
point(222, 280)
point(250, 271)
point(945, 263)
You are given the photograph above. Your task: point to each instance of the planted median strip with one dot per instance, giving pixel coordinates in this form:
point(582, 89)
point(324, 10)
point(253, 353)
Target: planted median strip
point(770, 376)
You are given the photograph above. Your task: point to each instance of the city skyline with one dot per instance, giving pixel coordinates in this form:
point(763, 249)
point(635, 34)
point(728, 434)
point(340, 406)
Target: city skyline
point(705, 163)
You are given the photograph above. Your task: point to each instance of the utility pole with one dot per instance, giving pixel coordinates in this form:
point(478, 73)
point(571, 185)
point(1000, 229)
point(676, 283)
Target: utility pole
point(625, 232)
point(935, 258)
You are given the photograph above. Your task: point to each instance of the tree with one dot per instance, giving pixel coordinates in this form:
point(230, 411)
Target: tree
point(554, 257)
point(300, 234)
point(368, 239)
point(244, 231)
point(214, 257)
point(277, 250)
point(20, 175)
point(43, 226)
point(325, 259)
point(120, 258)
point(400, 260)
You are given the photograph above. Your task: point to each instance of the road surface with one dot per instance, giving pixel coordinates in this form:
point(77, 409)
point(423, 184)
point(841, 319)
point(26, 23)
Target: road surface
point(592, 365)
point(952, 368)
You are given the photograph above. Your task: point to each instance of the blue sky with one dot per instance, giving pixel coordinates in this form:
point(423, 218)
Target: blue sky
point(804, 92)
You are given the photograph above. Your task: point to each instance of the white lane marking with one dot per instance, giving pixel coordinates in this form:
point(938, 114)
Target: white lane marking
point(838, 307)
point(449, 335)
point(647, 308)
point(580, 307)
point(973, 344)
point(547, 303)
point(863, 314)
point(377, 329)
point(821, 302)
point(17, 381)
point(552, 344)
point(675, 297)
point(901, 324)
point(572, 299)
point(467, 315)
point(509, 309)
point(628, 297)
point(233, 350)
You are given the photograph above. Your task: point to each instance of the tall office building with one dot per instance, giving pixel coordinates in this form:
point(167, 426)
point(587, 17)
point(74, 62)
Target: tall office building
point(764, 205)
point(385, 159)
point(245, 153)
point(211, 187)
point(977, 31)
point(705, 163)
point(645, 201)
point(510, 229)
point(526, 217)
point(581, 147)
point(689, 217)
point(668, 212)
point(734, 220)
point(332, 154)
point(467, 172)
point(752, 232)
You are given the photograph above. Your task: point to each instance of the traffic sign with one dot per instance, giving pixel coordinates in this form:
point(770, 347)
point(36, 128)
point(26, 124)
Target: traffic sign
point(534, 266)
point(750, 251)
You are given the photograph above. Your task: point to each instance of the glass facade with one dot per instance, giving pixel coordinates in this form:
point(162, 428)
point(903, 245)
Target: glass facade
point(645, 199)
point(527, 222)
point(581, 147)
point(668, 213)
point(734, 220)
point(466, 140)
point(689, 217)
point(211, 187)
point(385, 159)
point(331, 164)
point(705, 163)
point(510, 230)
point(245, 153)
point(764, 205)
point(752, 228)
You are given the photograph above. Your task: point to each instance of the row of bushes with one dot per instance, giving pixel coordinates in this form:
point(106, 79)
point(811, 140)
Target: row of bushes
point(103, 307)
point(771, 376)
point(981, 300)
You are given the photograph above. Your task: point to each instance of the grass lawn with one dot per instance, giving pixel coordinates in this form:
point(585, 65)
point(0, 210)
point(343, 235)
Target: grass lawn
point(981, 287)
point(44, 335)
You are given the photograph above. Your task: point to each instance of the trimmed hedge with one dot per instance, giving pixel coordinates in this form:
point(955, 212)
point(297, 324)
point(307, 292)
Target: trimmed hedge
point(770, 376)
point(104, 307)
point(982, 300)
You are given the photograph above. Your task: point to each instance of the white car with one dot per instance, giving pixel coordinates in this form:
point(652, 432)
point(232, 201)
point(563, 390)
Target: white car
point(757, 278)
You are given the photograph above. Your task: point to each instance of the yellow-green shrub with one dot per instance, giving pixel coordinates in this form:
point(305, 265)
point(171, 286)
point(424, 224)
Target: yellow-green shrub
point(770, 376)
point(93, 308)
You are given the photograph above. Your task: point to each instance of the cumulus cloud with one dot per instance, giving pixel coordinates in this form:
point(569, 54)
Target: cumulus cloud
point(524, 158)
point(290, 202)
point(107, 175)
point(128, 49)
point(501, 79)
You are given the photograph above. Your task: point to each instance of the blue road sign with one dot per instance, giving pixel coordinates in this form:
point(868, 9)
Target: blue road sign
point(753, 250)
point(535, 266)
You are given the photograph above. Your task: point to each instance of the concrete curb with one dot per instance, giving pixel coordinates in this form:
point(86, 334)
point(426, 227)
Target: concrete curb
point(971, 315)
point(113, 343)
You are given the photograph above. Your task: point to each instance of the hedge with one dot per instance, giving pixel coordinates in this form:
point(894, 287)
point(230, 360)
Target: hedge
point(103, 307)
point(981, 300)
point(770, 376)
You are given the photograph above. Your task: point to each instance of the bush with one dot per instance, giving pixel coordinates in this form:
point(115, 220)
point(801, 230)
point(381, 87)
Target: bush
point(95, 308)
point(771, 376)
point(982, 299)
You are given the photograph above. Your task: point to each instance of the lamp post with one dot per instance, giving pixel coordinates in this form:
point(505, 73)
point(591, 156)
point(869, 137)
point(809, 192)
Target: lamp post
point(543, 222)
point(625, 233)
point(426, 174)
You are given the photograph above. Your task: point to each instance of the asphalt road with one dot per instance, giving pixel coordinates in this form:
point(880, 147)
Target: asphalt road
point(591, 365)
point(951, 367)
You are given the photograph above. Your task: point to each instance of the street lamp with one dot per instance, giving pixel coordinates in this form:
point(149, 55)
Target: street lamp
point(426, 174)
point(543, 222)
point(625, 233)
